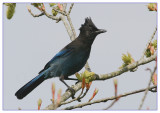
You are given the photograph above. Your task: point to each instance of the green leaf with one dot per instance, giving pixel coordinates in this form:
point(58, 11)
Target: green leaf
point(126, 59)
point(155, 44)
point(37, 4)
point(89, 76)
point(54, 13)
point(78, 76)
point(52, 4)
point(11, 10)
point(148, 53)
point(7, 4)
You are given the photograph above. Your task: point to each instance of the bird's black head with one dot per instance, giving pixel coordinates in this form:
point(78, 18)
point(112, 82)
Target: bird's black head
point(88, 29)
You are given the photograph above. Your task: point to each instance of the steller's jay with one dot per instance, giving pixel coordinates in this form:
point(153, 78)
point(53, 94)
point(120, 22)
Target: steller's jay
point(68, 61)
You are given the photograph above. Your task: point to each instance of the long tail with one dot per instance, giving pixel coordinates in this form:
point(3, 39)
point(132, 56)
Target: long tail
point(27, 88)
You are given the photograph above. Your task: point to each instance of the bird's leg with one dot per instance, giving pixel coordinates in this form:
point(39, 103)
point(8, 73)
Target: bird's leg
point(72, 79)
point(71, 89)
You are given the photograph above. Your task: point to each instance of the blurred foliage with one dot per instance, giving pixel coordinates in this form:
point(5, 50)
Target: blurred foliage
point(37, 4)
point(10, 10)
point(155, 44)
point(152, 6)
point(39, 102)
point(127, 59)
point(148, 53)
point(52, 4)
point(56, 6)
point(89, 76)
point(54, 13)
point(86, 77)
point(151, 49)
point(154, 79)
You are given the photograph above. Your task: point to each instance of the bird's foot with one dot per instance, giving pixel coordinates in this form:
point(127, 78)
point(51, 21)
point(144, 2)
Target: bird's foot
point(72, 92)
point(77, 82)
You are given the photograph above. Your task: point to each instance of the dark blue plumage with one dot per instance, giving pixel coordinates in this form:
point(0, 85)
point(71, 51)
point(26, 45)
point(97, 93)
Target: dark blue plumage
point(68, 61)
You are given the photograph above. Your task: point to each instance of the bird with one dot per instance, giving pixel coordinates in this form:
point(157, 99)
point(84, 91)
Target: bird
point(68, 61)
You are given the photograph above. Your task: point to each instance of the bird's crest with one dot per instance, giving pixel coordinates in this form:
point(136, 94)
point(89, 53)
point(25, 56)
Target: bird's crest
point(88, 23)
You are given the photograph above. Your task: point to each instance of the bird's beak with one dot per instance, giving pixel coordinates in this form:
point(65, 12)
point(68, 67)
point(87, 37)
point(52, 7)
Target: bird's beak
point(101, 31)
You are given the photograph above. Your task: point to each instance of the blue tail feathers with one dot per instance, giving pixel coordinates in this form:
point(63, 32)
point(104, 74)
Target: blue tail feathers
point(27, 88)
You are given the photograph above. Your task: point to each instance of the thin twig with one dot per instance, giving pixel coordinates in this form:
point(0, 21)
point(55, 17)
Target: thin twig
point(115, 88)
point(71, 25)
point(59, 11)
point(87, 67)
point(111, 104)
point(149, 43)
point(106, 99)
point(52, 17)
point(70, 8)
point(153, 90)
point(48, 15)
point(135, 69)
point(84, 94)
point(67, 28)
point(36, 15)
point(78, 98)
point(43, 12)
point(146, 91)
point(65, 7)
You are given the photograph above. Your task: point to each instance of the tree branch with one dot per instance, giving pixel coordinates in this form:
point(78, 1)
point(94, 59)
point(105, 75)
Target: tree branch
point(59, 11)
point(127, 68)
point(71, 25)
point(106, 99)
point(34, 15)
point(111, 104)
point(78, 86)
point(153, 90)
point(64, 7)
point(77, 98)
point(84, 93)
point(87, 67)
point(70, 8)
point(52, 17)
point(67, 28)
point(149, 43)
point(146, 91)
point(65, 96)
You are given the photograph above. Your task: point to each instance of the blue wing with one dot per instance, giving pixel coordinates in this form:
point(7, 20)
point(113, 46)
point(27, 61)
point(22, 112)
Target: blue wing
point(63, 52)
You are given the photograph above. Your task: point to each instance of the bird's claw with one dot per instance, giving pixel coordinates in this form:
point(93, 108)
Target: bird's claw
point(79, 100)
point(77, 82)
point(72, 92)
